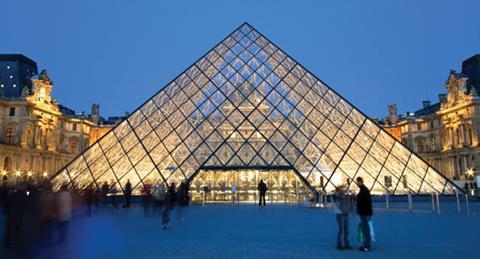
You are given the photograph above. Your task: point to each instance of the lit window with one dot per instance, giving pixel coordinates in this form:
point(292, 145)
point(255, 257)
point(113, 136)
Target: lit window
point(8, 67)
point(2, 85)
point(14, 85)
point(73, 145)
point(11, 77)
point(9, 136)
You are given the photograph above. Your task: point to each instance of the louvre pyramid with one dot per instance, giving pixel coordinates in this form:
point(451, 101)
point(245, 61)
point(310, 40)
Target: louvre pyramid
point(248, 104)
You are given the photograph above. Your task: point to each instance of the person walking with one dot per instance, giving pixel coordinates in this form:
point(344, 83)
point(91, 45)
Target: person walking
point(113, 194)
point(234, 193)
point(128, 194)
point(364, 210)
point(262, 189)
point(89, 199)
point(168, 205)
point(159, 197)
point(343, 206)
point(104, 193)
point(64, 208)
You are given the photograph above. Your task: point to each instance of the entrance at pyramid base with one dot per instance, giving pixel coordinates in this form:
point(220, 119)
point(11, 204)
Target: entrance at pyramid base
point(284, 184)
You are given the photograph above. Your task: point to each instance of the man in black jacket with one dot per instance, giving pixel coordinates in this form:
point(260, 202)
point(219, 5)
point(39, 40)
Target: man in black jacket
point(262, 189)
point(364, 210)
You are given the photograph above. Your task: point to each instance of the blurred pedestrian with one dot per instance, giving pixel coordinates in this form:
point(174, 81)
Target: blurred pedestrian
point(128, 194)
point(104, 193)
point(234, 193)
point(364, 210)
point(343, 204)
point(182, 192)
point(168, 206)
point(15, 210)
point(64, 208)
point(159, 196)
point(147, 200)
point(89, 199)
point(47, 215)
point(113, 194)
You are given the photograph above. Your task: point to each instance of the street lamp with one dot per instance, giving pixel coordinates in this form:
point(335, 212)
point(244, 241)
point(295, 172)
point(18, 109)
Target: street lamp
point(470, 172)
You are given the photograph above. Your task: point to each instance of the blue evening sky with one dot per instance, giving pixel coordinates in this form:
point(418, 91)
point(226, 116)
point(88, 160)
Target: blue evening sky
point(119, 53)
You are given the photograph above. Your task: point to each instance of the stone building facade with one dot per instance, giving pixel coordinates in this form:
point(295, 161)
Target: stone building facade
point(38, 135)
point(446, 134)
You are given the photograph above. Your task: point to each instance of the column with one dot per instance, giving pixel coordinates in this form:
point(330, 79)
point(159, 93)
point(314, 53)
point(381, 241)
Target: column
point(461, 135)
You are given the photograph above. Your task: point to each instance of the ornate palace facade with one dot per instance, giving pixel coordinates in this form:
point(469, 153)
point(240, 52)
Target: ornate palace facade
point(446, 134)
point(37, 135)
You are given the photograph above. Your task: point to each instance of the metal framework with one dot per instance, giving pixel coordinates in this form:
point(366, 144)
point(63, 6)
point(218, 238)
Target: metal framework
point(247, 104)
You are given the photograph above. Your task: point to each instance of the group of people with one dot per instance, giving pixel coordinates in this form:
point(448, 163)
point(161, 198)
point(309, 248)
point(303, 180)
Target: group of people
point(35, 217)
point(344, 204)
point(159, 198)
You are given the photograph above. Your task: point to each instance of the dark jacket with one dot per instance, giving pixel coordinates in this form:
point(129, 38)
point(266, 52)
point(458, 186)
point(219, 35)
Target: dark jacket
point(262, 187)
point(128, 189)
point(364, 202)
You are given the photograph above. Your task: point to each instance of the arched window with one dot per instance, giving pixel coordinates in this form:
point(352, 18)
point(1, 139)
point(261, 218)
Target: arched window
point(421, 144)
point(9, 134)
point(433, 142)
point(72, 145)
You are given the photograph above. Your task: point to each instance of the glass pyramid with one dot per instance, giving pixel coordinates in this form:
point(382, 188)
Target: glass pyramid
point(247, 104)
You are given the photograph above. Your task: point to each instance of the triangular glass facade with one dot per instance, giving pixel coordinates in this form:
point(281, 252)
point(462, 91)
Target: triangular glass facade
point(247, 104)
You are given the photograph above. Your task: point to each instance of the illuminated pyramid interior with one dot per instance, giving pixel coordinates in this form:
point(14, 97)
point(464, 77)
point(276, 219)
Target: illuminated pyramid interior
point(247, 111)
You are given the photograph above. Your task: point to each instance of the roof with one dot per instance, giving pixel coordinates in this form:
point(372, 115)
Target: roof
point(17, 57)
point(428, 110)
point(472, 59)
point(113, 119)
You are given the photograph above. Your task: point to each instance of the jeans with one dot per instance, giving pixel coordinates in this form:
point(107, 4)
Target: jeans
point(262, 199)
point(342, 236)
point(365, 230)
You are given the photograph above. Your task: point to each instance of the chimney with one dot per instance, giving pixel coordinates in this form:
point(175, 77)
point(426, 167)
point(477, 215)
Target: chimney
point(426, 104)
point(392, 113)
point(126, 114)
point(96, 113)
point(442, 98)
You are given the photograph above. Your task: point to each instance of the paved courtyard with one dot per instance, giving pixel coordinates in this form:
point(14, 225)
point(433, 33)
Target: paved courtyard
point(277, 231)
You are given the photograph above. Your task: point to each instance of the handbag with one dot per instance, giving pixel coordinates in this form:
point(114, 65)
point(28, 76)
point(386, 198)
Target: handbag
point(360, 233)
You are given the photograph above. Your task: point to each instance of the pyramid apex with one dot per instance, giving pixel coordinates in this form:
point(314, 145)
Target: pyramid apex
point(245, 27)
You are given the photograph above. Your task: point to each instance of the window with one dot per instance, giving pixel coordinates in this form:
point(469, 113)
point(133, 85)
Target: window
point(9, 135)
point(14, 85)
point(2, 85)
point(74, 127)
point(12, 111)
point(42, 93)
point(431, 124)
point(11, 77)
point(421, 144)
point(73, 145)
point(29, 137)
point(419, 126)
point(8, 67)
